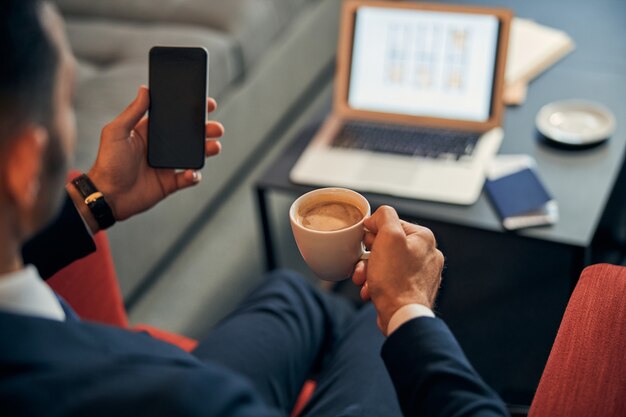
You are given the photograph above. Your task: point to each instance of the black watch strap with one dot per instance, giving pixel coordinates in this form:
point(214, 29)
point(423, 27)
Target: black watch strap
point(95, 201)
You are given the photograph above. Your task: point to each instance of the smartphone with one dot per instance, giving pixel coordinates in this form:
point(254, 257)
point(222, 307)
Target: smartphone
point(177, 114)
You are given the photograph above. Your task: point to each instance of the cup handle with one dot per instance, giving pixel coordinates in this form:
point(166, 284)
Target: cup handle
point(365, 254)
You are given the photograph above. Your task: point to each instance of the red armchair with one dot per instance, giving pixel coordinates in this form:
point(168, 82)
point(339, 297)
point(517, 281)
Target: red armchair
point(586, 371)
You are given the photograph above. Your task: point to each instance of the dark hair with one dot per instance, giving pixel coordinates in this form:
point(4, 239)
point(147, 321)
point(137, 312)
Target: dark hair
point(28, 68)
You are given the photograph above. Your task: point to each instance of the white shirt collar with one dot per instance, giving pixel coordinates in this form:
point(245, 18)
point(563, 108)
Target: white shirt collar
point(24, 292)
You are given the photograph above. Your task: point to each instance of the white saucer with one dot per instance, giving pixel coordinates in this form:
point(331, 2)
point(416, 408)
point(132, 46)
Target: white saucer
point(575, 122)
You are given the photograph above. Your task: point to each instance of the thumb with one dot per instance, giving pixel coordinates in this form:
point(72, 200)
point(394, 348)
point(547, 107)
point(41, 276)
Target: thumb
point(384, 217)
point(135, 110)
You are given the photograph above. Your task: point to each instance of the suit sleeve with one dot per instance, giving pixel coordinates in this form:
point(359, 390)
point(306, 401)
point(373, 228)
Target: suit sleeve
point(62, 242)
point(433, 377)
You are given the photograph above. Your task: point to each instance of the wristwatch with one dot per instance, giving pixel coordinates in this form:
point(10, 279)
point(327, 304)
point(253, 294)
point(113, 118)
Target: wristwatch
point(95, 201)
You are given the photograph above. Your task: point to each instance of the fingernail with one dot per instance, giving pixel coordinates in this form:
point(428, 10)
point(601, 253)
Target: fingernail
point(196, 176)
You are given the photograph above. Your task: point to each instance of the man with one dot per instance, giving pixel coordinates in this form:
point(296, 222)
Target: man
point(253, 363)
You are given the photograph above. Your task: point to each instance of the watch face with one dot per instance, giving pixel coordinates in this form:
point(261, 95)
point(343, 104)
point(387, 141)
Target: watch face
point(96, 204)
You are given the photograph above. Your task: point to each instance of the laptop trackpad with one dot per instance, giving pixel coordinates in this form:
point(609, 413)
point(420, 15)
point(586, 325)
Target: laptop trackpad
point(393, 171)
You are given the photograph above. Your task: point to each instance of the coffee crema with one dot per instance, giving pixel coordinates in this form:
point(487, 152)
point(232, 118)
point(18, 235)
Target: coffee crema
point(329, 216)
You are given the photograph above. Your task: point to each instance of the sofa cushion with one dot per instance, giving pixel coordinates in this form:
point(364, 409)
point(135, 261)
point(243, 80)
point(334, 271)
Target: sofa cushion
point(105, 44)
point(253, 23)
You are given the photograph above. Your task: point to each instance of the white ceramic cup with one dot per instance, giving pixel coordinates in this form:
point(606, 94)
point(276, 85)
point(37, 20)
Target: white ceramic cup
point(332, 255)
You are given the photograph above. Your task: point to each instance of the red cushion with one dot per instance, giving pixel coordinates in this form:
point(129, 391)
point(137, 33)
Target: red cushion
point(586, 371)
point(182, 342)
point(90, 286)
point(303, 398)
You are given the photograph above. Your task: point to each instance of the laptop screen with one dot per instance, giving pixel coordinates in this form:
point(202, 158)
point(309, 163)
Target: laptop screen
point(423, 63)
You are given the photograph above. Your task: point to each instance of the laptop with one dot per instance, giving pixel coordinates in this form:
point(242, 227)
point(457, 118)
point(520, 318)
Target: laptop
point(417, 103)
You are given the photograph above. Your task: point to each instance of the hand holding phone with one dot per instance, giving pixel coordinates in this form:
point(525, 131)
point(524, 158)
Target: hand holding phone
point(177, 113)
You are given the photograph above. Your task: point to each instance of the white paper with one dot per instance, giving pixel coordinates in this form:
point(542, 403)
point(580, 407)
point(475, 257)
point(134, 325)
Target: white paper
point(532, 49)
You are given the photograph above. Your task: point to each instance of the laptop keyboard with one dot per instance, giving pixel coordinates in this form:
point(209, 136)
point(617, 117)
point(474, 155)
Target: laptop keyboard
point(404, 140)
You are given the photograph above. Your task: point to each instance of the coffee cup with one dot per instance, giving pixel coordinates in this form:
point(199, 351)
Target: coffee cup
point(327, 225)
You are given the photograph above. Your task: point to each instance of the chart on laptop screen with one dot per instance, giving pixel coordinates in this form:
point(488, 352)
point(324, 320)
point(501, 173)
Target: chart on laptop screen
point(423, 63)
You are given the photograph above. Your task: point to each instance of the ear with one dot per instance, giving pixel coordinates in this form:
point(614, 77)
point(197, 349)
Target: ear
point(24, 162)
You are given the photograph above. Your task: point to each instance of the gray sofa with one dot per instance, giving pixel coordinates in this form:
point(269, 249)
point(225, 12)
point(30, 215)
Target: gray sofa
point(263, 56)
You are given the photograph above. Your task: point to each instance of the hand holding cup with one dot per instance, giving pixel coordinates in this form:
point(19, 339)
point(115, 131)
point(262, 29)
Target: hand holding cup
point(404, 266)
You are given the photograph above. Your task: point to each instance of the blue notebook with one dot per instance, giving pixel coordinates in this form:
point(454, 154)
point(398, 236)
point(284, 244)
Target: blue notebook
point(521, 200)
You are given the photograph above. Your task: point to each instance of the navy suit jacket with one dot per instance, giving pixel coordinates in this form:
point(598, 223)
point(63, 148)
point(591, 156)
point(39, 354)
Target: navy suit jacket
point(72, 368)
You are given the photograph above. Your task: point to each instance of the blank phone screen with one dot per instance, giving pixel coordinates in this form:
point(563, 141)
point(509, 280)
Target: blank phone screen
point(178, 92)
